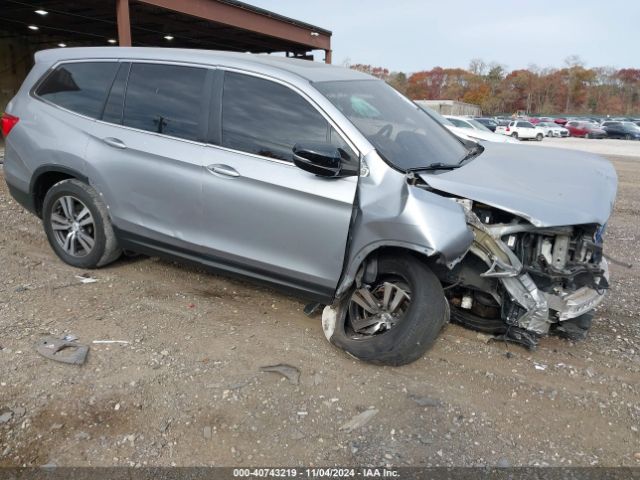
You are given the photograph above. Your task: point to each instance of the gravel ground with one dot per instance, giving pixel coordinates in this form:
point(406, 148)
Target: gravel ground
point(188, 389)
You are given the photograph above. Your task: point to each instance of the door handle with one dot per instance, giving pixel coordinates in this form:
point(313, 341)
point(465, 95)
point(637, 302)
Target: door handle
point(223, 170)
point(114, 142)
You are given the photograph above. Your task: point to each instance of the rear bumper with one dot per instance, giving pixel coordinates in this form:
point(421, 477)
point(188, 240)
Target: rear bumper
point(23, 198)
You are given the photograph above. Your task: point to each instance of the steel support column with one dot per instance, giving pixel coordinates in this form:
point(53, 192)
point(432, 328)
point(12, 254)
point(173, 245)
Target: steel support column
point(124, 23)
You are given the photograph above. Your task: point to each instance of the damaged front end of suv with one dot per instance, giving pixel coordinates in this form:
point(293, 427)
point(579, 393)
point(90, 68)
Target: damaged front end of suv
point(536, 265)
point(519, 281)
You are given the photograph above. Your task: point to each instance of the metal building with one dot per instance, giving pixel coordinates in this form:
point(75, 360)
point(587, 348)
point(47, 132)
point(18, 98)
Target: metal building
point(27, 26)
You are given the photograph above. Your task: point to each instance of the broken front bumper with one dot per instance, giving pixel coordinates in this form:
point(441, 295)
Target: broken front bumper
point(579, 302)
point(541, 308)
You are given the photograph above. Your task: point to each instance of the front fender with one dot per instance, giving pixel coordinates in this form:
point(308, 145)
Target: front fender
point(393, 213)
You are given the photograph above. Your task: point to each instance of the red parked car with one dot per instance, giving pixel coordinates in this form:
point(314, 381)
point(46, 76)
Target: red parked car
point(560, 121)
point(584, 129)
point(536, 120)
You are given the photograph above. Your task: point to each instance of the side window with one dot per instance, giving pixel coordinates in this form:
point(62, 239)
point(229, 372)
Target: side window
point(115, 102)
point(265, 118)
point(165, 99)
point(79, 87)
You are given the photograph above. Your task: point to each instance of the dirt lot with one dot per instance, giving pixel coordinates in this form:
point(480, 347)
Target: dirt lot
point(188, 390)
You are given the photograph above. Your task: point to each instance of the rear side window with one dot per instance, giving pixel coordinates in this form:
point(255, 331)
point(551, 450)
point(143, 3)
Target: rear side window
point(79, 87)
point(266, 118)
point(165, 99)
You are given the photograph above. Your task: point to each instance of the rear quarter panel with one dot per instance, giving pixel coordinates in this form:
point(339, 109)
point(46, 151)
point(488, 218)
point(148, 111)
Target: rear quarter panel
point(45, 135)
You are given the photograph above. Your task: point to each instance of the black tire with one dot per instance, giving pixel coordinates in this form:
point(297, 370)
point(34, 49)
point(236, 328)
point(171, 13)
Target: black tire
point(105, 248)
point(515, 135)
point(584, 321)
point(539, 137)
point(414, 332)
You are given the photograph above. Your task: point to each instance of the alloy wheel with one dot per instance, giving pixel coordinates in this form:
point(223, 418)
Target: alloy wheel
point(73, 226)
point(379, 308)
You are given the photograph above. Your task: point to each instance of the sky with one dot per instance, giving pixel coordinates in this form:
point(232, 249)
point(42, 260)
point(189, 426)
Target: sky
point(413, 35)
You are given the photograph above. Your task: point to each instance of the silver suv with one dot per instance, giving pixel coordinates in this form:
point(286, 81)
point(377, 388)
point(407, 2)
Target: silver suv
point(318, 179)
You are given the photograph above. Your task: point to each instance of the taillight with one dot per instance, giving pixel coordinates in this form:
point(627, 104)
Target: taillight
point(8, 122)
point(508, 129)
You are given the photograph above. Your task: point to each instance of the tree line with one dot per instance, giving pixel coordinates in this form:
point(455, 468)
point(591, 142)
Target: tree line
point(573, 89)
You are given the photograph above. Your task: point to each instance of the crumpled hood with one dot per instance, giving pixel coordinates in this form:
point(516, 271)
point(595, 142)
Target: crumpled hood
point(547, 186)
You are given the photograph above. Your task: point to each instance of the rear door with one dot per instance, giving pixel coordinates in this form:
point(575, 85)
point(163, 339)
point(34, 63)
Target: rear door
point(146, 153)
point(265, 217)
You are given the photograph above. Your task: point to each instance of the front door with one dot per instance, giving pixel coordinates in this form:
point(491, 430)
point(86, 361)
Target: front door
point(265, 216)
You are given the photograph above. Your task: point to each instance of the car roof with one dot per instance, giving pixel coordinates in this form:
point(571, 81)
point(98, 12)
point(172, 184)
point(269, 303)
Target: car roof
point(311, 71)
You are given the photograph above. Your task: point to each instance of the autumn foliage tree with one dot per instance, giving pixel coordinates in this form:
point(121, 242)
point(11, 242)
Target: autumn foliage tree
point(572, 89)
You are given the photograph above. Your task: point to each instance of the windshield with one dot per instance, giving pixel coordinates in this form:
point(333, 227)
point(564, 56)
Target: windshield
point(439, 118)
point(399, 130)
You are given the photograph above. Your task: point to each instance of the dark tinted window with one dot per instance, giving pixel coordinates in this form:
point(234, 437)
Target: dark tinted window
point(115, 103)
point(266, 118)
point(80, 87)
point(165, 99)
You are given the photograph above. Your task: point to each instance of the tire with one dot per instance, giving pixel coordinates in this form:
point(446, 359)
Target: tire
point(416, 328)
point(78, 226)
point(588, 135)
point(539, 137)
point(515, 135)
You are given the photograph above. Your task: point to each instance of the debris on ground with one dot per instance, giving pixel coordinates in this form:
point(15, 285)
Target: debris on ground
point(539, 366)
point(5, 417)
point(291, 373)
point(61, 350)
point(86, 279)
point(425, 401)
point(359, 420)
point(124, 342)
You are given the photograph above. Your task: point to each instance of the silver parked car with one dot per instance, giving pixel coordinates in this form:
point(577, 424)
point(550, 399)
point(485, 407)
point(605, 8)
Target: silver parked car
point(318, 179)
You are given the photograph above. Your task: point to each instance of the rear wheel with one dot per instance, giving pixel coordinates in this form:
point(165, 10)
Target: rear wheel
point(393, 320)
point(514, 135)
point(78, 226)
point(539, 137)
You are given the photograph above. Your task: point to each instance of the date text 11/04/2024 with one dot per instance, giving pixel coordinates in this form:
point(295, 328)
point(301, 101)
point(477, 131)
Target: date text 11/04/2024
point(316, 472)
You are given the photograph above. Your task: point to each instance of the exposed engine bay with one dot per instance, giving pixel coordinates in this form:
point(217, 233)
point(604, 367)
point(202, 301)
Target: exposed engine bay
point(520, 282)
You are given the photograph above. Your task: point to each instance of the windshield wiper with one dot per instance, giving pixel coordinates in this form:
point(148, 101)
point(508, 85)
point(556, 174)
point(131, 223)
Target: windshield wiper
point(473, 152)
point(434, 166)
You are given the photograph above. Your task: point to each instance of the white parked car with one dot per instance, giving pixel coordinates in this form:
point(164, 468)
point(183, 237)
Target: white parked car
point(522, 130)
point(468, 134)
point(470, 129)
point(552, 129)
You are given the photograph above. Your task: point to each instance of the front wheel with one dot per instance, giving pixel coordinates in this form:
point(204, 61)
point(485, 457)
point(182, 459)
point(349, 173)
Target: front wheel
point(393, 320)
point(539, 137)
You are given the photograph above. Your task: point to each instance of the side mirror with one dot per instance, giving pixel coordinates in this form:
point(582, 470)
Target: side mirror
point(321, 159)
